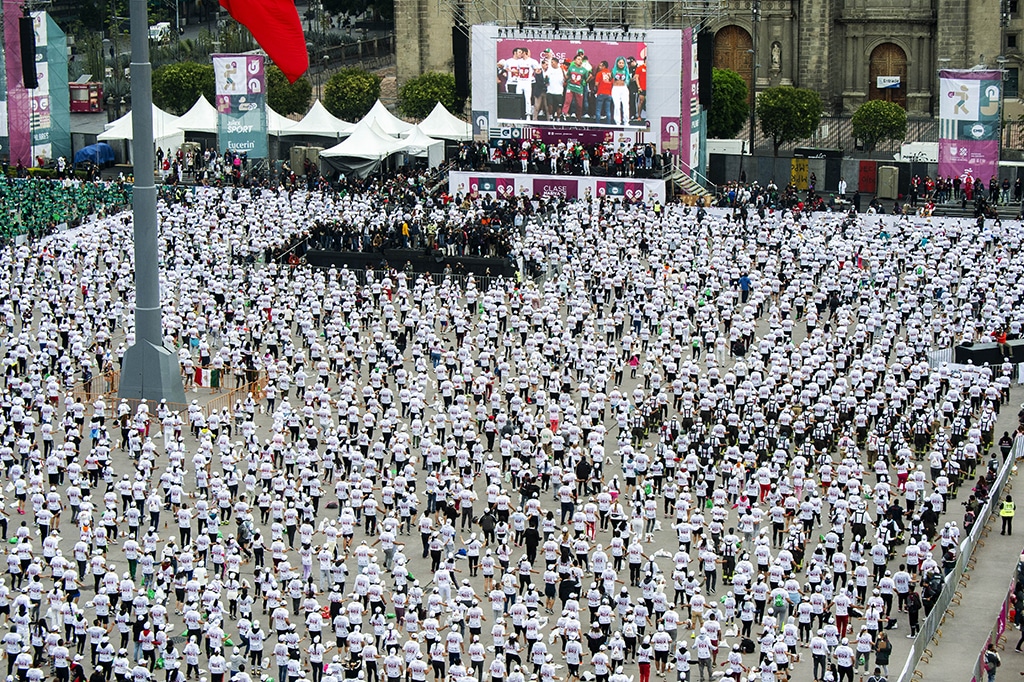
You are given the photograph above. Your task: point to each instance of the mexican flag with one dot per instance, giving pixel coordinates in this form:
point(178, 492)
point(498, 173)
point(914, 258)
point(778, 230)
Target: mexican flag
point(276, 27)
point(210, 378)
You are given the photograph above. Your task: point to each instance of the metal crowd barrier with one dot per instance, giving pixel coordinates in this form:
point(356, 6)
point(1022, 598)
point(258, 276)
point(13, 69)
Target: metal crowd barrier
point(931, 631)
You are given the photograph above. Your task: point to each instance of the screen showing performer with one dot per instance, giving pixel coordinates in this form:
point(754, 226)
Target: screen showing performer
point(582, 82)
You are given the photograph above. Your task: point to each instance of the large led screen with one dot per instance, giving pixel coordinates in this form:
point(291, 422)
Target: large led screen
point(600, 83)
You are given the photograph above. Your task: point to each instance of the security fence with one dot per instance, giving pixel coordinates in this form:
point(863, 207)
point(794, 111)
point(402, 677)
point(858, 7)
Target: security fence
point(956, 580)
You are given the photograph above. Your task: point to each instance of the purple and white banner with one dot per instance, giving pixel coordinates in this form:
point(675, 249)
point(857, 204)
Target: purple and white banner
point(555, 187)
point(19, 104)
point(507, 185)
point(969, 123)
point(241, 103)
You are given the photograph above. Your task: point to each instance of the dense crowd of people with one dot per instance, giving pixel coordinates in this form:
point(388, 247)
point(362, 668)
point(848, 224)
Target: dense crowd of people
point(608, 158)
point(36, 206)
point(700, 444)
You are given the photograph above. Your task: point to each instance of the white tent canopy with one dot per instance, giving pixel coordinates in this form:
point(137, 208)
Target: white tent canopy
point(389, 123)
point(363, 152)
point(442, 125)
point(276, 123)
point(201, 118)
point(164, 125)
point(166, 133)
point(320, 123)
point(365, 142)
point(418, 143)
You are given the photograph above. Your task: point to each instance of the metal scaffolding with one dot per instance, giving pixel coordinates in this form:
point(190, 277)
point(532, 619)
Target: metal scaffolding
point(584, 18)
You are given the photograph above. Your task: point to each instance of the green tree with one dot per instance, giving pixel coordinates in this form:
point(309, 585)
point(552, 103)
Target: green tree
point(176, 87)
point(788, 114)
point(287, 98)
point(879, 121)
point(351, 93)
point(729, 107)
point(416, 99)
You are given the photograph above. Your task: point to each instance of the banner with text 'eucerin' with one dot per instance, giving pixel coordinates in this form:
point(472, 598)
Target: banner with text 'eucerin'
point(241, 104)
point(969, 128)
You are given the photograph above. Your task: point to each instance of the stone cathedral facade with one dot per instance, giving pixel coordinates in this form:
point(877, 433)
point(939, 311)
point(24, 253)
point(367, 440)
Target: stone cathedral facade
point(840, 48)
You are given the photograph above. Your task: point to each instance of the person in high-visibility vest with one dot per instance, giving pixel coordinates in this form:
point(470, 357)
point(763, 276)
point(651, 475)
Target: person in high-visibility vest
point(1006, 511)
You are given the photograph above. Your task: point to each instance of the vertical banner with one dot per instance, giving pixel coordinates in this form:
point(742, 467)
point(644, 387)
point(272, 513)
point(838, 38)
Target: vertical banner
point(241, 104)
point(691, 100)
point(4, 142)
point(18, 101)
point(59, 96)
point(800, 173)
point(969, 123)
point(39, 120)
point(687, 89)
point(50, 105)
point(867, 176)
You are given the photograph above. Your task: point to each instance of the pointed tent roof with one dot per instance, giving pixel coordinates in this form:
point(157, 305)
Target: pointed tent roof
point(320, 122)
point(366, 142)
point(389, 123)
point(164, 125)
point(201, 118)
point(417, 142)
point(442, 124)
point(276, 123)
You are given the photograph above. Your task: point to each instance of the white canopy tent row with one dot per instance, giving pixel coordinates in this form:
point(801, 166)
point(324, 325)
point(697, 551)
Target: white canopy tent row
point(379, 130)
point(367, 143)
point(166, 133)
point(319, 122)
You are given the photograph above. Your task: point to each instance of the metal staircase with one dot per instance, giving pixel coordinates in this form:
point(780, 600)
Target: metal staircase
point(692, 183)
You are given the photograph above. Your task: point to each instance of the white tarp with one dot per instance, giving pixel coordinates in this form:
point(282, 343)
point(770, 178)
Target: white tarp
point(418, 143)
point(201, 118)
point(276, 123)
point(319, 122)
point(164, 125)
point(389, 123)
point(442, 125)
point(166, 133)
point(365, 142)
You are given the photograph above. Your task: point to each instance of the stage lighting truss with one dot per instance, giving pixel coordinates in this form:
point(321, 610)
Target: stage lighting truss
point(582, 19)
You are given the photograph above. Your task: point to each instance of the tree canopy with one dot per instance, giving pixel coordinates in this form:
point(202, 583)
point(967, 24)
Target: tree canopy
point(176, 87)
point(879, 121)
point(351, 93)
point(729, 107)
point(418, 96)
point(788, 114)
point(287, 98)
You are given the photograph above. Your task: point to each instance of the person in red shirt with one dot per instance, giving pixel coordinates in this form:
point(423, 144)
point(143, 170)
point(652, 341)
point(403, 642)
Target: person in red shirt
point(640, 78)
point(1004, 347)
point(603, 78)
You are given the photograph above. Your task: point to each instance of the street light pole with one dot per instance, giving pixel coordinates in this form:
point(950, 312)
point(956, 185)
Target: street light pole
point(150, 370)
point(755, 20)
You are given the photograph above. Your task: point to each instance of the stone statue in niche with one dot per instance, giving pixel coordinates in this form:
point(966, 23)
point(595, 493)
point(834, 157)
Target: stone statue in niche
point(776, 56)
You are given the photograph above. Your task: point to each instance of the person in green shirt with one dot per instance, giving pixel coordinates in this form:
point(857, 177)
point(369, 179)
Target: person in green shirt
point(575, 82)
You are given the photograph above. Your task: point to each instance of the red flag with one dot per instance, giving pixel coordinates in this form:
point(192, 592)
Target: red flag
point(276, 27)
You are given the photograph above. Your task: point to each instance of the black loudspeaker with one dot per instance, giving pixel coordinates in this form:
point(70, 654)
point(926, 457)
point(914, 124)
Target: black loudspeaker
point(511, 106)
point(28, 52)
point(460, 53)
point(705, 60)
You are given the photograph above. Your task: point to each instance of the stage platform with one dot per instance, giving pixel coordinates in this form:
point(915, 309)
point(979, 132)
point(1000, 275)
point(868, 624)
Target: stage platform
point(419, 259)
point(566, 186)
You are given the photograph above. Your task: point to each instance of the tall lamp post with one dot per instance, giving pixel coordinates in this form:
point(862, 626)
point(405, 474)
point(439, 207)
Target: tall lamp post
point(755, 20)
point(151, 370)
